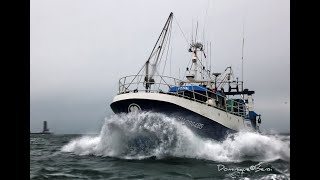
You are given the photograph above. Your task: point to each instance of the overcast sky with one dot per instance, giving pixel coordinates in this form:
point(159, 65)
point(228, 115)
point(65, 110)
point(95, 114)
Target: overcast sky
point(80, 48)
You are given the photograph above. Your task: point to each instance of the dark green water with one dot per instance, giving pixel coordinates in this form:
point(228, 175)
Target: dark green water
point(167, 151)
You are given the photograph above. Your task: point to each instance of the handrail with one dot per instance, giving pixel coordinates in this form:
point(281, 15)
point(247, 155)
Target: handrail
point(236, 108)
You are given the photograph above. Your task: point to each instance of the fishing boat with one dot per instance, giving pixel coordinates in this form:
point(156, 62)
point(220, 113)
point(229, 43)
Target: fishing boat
point(212, 104)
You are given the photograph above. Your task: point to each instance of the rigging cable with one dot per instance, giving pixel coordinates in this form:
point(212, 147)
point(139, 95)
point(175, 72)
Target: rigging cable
point(169, 39)
point(151, 55)
point(165, 45)
point(181, 30)
point(165, 63)
point(135, 76)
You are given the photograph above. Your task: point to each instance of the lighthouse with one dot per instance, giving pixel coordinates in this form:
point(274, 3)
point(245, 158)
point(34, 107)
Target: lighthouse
point(45, 127)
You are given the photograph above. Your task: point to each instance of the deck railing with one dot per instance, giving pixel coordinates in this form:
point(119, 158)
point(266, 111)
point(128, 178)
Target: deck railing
point(161, 84)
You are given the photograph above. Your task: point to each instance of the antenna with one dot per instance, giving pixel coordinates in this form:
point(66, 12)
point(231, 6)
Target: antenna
point(201, 58)
point(242, 56)
point(207, 62)
point(192, 32)
point(196, 33)
point(170, 59)
point(205, 20)
point(210, 56)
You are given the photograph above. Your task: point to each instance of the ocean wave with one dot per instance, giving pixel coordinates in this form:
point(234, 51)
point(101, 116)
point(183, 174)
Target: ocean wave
point(145, 134)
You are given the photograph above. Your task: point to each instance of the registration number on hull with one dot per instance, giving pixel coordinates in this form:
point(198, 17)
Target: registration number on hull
point(191, 123)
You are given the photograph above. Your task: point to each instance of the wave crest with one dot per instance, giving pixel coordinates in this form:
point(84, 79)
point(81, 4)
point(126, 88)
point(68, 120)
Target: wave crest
point(145, 134)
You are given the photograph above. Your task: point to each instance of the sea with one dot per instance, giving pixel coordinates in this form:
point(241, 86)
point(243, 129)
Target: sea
point(149, 145)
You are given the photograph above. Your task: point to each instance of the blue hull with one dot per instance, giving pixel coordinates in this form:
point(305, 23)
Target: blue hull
point(201, 125)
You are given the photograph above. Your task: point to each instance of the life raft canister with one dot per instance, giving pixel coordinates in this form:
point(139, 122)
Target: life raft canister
point(259, 119)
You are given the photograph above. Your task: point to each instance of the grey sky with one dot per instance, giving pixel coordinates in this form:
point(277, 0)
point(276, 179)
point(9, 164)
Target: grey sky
point(80, 48)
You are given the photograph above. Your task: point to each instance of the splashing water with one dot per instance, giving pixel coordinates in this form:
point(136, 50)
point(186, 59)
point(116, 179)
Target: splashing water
point(145, 134)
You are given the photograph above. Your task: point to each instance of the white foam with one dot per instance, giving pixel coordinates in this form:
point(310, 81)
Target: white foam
point(142, 135)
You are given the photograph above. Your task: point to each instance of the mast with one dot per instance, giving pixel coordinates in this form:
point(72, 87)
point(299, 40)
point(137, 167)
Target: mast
point(194, 47)
point(148, 79)
point(195, 64)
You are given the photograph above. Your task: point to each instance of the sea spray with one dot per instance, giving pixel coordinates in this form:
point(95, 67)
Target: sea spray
point(146, 134)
